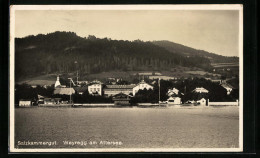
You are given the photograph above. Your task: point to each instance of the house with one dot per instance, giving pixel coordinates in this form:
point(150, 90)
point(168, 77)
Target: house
point(81, 90)
point(228, 87)
point(25, 103)
point(172, 92)
point(79, 83)
point(111, 90)
point(64, 91)
point(40, 99)
point(141, 86)
point(216, 80)
point(200, 90)
point(121, 99)
point(202, 101)
point(95, 88)
point(174, 100)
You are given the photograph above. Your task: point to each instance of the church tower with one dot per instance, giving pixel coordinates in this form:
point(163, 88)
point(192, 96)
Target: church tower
point(57, 83)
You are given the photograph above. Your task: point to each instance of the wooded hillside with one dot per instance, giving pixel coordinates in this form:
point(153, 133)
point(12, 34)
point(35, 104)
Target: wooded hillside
point(65, 52)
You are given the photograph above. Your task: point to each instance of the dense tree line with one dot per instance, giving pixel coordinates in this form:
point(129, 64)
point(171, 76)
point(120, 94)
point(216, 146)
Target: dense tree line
point(185, 87)
point(25, 91)
point(57, 53)
point(87, 98)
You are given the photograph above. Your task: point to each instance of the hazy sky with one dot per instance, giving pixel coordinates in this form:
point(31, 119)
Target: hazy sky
point(213, 31)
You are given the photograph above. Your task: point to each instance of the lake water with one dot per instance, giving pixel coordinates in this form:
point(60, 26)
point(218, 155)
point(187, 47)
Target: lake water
point(127, 127)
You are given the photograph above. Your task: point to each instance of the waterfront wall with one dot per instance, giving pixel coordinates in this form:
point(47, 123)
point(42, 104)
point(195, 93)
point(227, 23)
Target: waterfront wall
point(147, 104)
point(224, 103)
point(95, 105)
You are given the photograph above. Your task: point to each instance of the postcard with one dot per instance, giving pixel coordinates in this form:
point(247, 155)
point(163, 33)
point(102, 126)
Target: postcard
point(126, 78)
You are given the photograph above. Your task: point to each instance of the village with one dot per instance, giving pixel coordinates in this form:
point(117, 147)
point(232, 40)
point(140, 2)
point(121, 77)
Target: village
point(152, 89)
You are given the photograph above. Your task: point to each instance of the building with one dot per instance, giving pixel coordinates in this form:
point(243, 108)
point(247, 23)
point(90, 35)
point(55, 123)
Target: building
point(40, 99)
point(64, 91)
point(111, 90)
point(200, 90)
point(121, 99)
point(57, 83)
point(95, 88)
point(217, 80)
point(172, 92)
point(227, 86)
point(80, 83)
point(202, 101)
point(25, 103)
point(174, 100)
point(141, 86)
point(81, 90)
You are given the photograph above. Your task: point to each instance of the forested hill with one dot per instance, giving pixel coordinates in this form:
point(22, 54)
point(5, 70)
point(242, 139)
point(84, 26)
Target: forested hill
point(64, 52)
point(191, 52)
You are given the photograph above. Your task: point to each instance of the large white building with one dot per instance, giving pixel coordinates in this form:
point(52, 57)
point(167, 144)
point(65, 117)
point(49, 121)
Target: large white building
point(141, 86)
point(95, 88)
point(112, 90)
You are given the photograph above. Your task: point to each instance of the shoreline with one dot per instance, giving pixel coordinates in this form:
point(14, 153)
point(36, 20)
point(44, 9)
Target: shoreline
point(127, 106)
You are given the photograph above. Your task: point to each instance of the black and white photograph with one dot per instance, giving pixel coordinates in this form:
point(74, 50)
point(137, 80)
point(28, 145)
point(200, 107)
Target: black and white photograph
point(126, 78)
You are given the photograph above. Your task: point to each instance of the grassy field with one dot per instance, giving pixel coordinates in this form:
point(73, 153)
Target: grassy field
point(202, 73)
point(187, 127)
point(216, 65)
point(177, 72)
point(39, 80)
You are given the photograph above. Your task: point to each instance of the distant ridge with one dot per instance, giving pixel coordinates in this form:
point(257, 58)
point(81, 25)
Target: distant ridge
point(191, 52)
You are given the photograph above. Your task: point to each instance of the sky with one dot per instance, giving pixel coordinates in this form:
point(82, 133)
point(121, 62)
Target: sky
point(215, 31)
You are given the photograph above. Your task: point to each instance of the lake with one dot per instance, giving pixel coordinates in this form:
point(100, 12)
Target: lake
point(187, 127)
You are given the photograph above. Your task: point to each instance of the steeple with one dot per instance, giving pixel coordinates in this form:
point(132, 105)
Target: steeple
point(57, 83)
